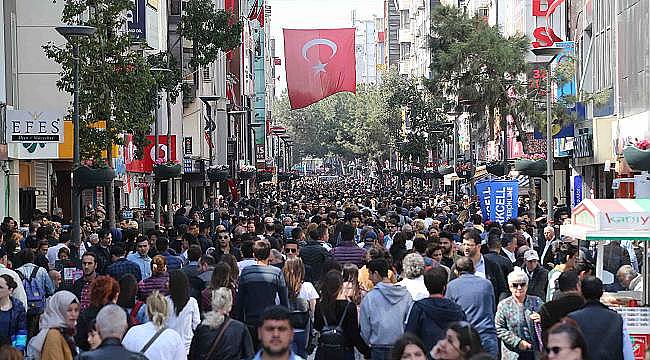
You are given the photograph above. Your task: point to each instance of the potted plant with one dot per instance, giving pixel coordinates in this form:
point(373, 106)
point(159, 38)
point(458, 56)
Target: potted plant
point(218, 172)
point(498, 168)
point(465, 169)
point(93, 173)
point(247, 172)
point(638, 155)
point(531, 165)
point(445, 170)
point(264, 175)
point(167, 169)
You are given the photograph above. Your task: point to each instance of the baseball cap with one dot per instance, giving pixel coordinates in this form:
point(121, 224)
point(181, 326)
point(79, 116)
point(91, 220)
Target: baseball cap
point(531, 255)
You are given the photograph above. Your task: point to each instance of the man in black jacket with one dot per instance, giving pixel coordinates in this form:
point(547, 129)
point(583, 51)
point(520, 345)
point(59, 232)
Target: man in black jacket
point(570, 299)
point(111, 325)
point(603, 328)
point(430, 317)
point(314, 253)
point(102, 250)
point(484, 268)
point(494, 252)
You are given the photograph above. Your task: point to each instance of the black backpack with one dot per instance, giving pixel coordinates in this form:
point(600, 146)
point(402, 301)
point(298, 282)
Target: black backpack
point(332, 338)
point(299, 313)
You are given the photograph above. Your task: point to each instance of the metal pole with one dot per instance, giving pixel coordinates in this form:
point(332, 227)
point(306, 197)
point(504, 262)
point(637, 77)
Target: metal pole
point(455, 154)
point(549, 148)
point(156, 145)
point(76, 193)
point(170, 182)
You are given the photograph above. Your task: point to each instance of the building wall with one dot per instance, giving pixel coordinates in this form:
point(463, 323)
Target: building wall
point(392, 26)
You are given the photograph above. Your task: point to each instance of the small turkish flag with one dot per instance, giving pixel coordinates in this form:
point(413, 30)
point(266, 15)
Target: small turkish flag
point(319, 63)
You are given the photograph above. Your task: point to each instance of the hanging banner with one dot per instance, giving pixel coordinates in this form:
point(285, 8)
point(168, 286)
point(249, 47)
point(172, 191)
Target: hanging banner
point(498, 199)
point(483, 192)
point(577, 190)
point(135, 20)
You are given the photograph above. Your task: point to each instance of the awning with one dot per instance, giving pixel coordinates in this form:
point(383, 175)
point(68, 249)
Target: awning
point(610, 219)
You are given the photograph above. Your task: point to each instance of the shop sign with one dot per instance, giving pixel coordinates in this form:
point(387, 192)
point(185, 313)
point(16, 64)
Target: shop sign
point(34, 126)
point(135, 19)
point(187, 145)
point(583, 146)
point(259, 153)
point(577, 190)
point(545, 35)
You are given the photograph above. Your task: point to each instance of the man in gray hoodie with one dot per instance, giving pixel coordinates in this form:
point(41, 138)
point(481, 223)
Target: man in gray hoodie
point(384, 311)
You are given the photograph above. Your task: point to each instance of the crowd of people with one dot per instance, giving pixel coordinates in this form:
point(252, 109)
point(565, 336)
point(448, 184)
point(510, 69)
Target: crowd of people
point(338, 269)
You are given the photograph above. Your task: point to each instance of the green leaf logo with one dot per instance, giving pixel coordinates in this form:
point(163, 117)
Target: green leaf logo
point(31, 147)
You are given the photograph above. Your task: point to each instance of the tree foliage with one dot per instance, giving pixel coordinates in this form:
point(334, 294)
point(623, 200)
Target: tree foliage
point(116, 85)
point(210, 30)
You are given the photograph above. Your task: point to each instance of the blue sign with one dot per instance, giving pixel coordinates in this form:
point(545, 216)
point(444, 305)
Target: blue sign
point(135, 20)
point(498, 199)
point(577, 190)
point(483, 192)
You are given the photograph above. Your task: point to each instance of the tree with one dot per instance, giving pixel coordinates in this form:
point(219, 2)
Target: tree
point(210, 30)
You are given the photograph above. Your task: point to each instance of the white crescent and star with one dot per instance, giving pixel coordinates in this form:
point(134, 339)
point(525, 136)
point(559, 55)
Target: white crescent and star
point(320, 66)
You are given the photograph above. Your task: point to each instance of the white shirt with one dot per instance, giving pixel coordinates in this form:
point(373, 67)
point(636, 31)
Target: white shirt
point(308, 292)
point(168, 346)
point(186, 321)
point(480, 268)
point(415, 287)
point(510, 255)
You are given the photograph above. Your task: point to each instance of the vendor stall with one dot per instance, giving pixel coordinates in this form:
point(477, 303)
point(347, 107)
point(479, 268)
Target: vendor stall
point(595, 222)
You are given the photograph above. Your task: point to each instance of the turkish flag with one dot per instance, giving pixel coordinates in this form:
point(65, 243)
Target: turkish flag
point(319, 63)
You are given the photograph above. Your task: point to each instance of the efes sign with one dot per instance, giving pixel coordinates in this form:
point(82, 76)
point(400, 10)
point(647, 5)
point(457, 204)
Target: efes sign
point(34, 126)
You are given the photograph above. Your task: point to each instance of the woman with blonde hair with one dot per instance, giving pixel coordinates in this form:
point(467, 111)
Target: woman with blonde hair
point(302, 302)
point(219, 337)
point(153, 338)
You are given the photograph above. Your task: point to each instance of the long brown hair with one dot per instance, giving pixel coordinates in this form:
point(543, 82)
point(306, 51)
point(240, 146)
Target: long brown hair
point(294, 275)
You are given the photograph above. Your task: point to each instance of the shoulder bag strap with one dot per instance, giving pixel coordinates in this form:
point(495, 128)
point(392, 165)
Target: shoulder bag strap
point(34, 272)
point(216, 340)
point(345, 311)
point(153, 339)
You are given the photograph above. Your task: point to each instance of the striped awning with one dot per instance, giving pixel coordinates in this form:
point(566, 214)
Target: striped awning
point(598, 218)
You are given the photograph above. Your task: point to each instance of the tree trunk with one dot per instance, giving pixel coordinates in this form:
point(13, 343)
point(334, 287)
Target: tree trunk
point(522, 132)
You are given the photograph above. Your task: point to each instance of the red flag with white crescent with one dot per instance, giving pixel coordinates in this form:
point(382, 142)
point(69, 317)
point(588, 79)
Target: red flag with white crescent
point(319, 63)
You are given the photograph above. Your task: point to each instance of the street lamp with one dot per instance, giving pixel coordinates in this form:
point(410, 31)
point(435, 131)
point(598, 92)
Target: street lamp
point(72, 33)
point(552, 52)
point(158, 71)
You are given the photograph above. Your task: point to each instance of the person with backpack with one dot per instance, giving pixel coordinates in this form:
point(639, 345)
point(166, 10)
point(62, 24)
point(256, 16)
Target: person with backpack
point(153, 338)
point(336, 319)
point(136, 310)
point(38, 287)
point(302, 301)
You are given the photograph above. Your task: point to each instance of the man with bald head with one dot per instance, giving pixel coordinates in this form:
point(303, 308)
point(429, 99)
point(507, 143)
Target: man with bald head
point(547, 254)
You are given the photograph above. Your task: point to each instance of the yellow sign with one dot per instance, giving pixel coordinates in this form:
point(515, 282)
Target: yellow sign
point(154, 3)
point(66, 148)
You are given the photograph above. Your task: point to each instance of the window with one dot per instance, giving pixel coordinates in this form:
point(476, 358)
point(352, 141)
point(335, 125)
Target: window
point(175, 7)
point(206, 74)
point(405, 50)
point(404, 19)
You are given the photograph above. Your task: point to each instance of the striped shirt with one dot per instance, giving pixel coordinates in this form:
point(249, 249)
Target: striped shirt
point(157, 281)
point(258, 287)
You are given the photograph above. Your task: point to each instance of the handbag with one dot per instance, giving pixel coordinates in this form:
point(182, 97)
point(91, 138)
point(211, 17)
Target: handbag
point(213, 348)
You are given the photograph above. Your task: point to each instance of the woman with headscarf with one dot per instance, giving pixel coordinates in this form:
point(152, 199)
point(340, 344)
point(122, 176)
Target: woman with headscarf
point(57, 326)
